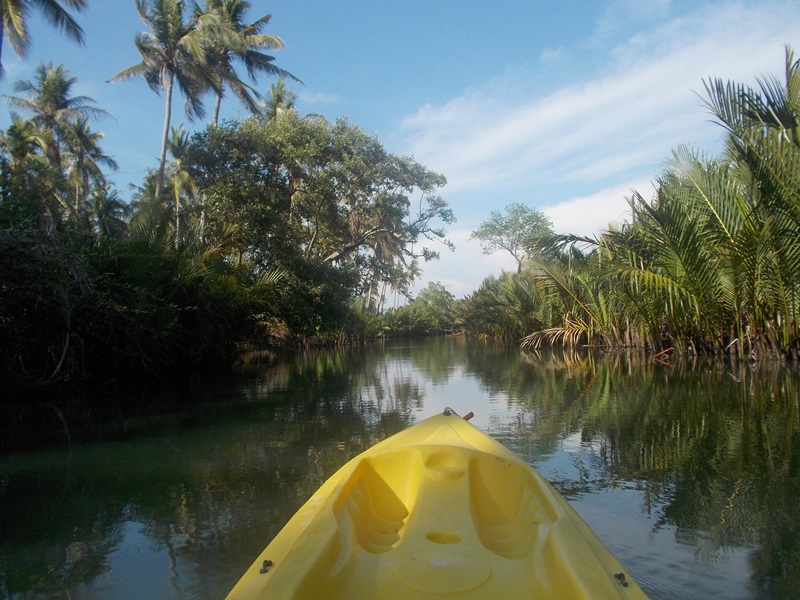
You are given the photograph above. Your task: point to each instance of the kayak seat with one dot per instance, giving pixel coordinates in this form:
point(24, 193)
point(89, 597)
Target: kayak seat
point(374, 502)
point(507, 509)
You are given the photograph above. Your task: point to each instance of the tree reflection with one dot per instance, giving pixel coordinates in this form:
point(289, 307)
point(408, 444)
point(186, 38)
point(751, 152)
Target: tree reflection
point(711, 449)
point(199, 493)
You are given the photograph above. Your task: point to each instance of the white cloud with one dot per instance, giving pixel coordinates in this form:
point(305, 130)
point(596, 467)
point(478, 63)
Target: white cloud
point(590, 215)
point(317, 98)
point(576, 151)
point(621, 15)
point(550, 56)
point(462, 271)
point(627, 118)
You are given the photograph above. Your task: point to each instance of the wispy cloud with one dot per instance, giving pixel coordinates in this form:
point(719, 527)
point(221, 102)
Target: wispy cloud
point(623, 119)
point(577, 151)
point(551, 56)
point(590, 215)
point(317, 99)
point(620, 15)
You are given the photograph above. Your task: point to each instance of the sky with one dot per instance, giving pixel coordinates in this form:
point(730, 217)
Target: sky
point(566, 107)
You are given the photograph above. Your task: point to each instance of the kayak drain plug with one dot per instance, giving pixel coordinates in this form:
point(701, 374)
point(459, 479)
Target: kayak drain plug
point(265, 566)
point(621, 577)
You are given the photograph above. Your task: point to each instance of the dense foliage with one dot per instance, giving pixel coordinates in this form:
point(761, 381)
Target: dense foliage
point(283, 229)
point(710, 264)
point(273, 230)
point(267, 229)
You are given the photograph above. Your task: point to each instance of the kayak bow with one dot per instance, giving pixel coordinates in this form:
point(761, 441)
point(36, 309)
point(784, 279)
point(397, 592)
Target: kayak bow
point(440, 509)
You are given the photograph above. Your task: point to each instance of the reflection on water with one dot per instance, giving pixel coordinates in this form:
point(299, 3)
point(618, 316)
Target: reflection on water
point(689, 473)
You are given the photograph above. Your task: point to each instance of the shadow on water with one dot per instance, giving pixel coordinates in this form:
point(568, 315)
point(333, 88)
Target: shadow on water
point(688, 472)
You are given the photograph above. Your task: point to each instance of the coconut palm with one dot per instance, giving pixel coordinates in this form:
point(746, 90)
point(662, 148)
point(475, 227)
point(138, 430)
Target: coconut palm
point(184, 190)
point(23, 142)
point(231, 40)
point(280, 100)
point(173, 51)
point(84, 159)
point(14, 21)
point(48, 97)
point(108, 212)
point(29, 175)
point(402, 277)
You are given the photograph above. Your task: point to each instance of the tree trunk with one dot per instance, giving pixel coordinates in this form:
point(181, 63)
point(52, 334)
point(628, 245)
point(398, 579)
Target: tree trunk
point(382, 298)
point(177, 195)
point(313, 239)
point(202, 216)
point(77, 200)
point(217, 104)
point(368, 297)
point(164, 137)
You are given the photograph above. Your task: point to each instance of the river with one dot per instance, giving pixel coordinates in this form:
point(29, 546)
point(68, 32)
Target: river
point(688, 472)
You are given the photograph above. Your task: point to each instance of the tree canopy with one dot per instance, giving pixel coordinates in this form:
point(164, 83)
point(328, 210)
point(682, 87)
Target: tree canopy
point(515, 231)
point(711, 263)
point(324, 192)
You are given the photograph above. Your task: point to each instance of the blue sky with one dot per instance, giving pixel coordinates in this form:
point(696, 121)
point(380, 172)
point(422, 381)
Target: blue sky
point(564, 106)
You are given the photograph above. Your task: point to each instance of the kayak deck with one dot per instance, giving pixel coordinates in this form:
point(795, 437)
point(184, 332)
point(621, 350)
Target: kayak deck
point(439, 509)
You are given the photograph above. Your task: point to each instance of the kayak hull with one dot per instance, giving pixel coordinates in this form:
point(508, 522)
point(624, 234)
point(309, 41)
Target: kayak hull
point(440, 509)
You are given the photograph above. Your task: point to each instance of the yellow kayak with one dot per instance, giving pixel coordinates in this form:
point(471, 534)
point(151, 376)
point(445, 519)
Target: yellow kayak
point(440, 509)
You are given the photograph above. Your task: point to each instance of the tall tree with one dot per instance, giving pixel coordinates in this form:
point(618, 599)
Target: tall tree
point(173, 51)
point(84, 158)
point(434, 305)
point(330, 191)
point(108, 212)
point(231, 40)
point(515, 231)
point(23, 142)
point(14, 22)
point(30, 186)
point(183, 186)
point(48, 97)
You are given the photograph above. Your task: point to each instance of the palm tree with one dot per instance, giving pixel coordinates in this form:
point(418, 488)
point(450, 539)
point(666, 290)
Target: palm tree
point(14, 22)
point(108, 212)
point(231, 41)
point(764, 149)
point(774, 106)
point(710, 264)
point(23, 142)
point(280, 100)
point(173, 51)
point(183, 186)
point(402, 278)
point(84, 157)
point(49, 99)
point(28, 173)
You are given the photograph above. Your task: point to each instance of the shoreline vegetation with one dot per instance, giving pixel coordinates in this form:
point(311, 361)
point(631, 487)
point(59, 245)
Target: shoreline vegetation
point(288, 231)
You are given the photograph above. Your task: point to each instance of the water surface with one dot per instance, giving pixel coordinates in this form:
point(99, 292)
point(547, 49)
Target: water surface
point(689, 473)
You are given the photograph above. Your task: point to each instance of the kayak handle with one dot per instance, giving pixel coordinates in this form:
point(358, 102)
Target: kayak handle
point(449, 411)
